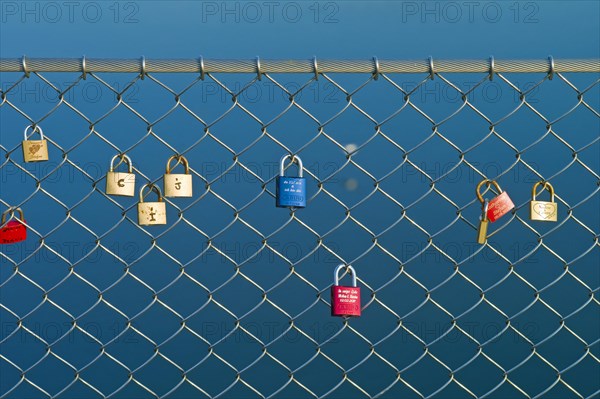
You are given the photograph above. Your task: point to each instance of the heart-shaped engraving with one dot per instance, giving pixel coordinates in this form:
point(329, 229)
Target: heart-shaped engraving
point(33, 148)
point(544, 210)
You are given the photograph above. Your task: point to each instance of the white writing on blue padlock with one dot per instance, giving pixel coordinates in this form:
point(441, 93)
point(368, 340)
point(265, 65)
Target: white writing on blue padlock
point(290, 191)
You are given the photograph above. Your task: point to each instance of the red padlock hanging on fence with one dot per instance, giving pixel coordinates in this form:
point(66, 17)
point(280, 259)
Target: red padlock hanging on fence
point(499, 205)
point(14, 230)
point(345, 301)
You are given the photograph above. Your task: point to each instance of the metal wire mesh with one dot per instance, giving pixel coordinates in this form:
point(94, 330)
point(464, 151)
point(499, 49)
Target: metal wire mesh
point(231, 298)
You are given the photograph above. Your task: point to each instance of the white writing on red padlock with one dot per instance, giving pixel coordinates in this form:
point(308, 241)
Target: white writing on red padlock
point(13, 230)
point(345, 301)
point(499, 206)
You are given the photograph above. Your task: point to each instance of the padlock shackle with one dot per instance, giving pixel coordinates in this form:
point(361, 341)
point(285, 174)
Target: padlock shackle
point(485, 207)
point(12, 211)
point(180, 160)
point(487, 182)
point(124, 158)
point(293, 158)
point(336, 277)
point(546, 186)
point(151, 187)
point(37, 128)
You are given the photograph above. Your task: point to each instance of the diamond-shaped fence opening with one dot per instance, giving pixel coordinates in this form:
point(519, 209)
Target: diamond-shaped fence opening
point(231, 297)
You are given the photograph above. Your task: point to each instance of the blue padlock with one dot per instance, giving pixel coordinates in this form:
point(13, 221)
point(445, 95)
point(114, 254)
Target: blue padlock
point(290, 191)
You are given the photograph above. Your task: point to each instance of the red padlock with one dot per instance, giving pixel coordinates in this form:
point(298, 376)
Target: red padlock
point(14, 230)
point(499, 205)
point(345, 301)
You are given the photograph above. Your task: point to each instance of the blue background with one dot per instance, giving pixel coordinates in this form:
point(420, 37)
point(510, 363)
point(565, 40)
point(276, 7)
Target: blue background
point(332, 30)
point(347, 29)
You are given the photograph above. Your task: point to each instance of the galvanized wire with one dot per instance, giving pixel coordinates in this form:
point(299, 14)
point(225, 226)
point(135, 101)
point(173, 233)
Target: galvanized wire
point(383, 70)
point(201, 65)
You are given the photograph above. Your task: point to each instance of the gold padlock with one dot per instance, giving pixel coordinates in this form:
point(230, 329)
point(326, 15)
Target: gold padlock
point(483, 224)
point(543, 211)
point(151, 213)
point(178, 184)
point(35, 150)
point(120, 183)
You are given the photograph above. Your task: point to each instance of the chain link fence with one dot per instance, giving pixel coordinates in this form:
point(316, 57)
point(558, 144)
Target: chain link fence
point(230, 299)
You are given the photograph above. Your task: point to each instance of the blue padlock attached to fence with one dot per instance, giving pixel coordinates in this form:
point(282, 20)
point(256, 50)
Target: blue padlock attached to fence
point(290, 191)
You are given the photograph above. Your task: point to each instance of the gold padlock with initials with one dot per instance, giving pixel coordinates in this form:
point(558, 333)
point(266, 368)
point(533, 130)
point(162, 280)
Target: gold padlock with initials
point(151, 213)
point(178, 184)
point(543, 211)
point(35, 150)
point(120, 183)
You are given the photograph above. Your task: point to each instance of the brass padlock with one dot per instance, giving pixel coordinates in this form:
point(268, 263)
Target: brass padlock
point(34, 150)
point(120, 183)
point(483, 224)
point(178, 184)
point(151, 213)
point(543, 210)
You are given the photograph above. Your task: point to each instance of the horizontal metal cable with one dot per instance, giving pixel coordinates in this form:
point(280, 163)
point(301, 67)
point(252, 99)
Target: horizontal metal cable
point(231, 299)
point(198, 65)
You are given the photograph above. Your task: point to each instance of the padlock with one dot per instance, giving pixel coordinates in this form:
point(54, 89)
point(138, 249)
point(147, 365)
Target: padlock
point(14, 230)
point(290, 191)
point(543, 210)
point(120, 183)
point(151, 213)
point(34, 150)
point(483, 224)
point(178, 184)
point(345, 301)
point(499, 205)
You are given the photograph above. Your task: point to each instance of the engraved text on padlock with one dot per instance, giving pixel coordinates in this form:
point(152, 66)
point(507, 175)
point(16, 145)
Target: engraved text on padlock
point(345, 301)
point(120, 183)
point(499, 206)
point(178, 184)
point(290, 191)
point(543, 211)
point(151, 213)
point(35, 150)
point(15, 230)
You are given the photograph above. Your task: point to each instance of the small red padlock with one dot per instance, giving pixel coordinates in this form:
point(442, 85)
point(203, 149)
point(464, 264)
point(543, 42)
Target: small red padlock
point(345, 301)
point(499, 205)
point(14, 230)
